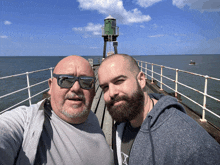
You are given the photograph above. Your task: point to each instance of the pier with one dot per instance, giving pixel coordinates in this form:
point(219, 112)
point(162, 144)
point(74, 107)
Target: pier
point(154, 85)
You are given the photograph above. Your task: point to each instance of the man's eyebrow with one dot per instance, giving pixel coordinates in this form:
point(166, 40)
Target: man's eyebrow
point(120, 76)
point(114, 79)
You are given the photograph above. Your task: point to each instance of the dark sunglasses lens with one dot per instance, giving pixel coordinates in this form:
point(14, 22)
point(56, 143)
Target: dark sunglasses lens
point(66, 82)
point(86, 82)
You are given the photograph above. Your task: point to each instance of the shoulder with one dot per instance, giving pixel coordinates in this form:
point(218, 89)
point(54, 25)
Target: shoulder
point(19, 116)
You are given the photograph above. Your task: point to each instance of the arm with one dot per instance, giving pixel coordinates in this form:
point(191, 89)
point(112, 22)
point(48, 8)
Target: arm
point(11, 134)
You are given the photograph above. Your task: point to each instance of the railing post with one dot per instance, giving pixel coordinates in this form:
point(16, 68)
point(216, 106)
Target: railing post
point(152, 73)
point(146, 69)
point(204, 100)
point(51, 72)
point(176, 82)
point(141, 65)
point(161, 78)
point(29, 90)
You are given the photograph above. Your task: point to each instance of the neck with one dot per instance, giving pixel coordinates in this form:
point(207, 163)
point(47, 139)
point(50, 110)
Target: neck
point(148, 106)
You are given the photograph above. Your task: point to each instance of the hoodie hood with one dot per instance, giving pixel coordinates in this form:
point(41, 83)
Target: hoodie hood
point(161, 110)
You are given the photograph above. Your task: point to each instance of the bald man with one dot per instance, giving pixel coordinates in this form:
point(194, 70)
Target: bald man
point(58, 130)
point(150, 128)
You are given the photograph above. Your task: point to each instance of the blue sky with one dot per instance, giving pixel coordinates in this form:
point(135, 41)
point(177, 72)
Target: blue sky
point(146, 27)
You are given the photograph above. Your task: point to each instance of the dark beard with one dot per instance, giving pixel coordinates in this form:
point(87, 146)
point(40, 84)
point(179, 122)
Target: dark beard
point(130, 109)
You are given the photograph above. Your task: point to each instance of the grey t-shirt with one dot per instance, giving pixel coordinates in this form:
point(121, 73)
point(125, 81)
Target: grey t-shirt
point(64, 143)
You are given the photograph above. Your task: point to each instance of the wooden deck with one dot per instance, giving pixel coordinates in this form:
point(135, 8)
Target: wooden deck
point(99, 108)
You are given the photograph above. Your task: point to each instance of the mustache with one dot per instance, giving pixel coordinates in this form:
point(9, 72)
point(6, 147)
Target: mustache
point(117, 99)
point(74, 96)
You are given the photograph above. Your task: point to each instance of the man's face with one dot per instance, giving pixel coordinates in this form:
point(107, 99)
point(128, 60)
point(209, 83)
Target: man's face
point(129, 109)
point(73, 104)
point(122, 93)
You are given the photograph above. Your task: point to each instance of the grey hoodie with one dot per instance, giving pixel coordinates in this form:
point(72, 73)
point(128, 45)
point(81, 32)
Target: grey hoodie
point(168, 136)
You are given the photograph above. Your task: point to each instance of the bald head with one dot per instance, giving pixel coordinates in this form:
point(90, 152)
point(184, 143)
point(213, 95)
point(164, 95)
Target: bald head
point(70, 63)
point(127, 61)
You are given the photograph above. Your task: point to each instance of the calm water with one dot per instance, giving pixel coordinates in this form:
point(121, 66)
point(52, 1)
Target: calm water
point(205, 65)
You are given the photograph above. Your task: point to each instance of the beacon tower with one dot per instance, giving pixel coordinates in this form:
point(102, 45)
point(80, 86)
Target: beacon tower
point(110, 32)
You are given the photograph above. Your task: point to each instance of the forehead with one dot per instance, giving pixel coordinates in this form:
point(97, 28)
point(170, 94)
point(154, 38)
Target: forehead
point(113, 68)
point(74, 67)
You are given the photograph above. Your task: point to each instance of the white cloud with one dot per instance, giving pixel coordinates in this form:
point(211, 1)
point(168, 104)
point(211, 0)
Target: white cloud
point(93, 47)
point(176, 34)
point(158, 35)
point(89, 30)
point(93, 28)
point(116, 9)
point(147, 3)
point(96, 33)
point(142, 26)
point(155, 26)
point(7, 23)
point(201, 5)
point(78, 29)
point(3, 36)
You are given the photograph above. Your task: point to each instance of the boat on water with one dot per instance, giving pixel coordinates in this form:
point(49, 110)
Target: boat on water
point(192, 62)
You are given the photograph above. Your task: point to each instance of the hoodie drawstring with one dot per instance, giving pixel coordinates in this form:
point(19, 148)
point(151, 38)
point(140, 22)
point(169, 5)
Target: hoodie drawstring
point(151, 140)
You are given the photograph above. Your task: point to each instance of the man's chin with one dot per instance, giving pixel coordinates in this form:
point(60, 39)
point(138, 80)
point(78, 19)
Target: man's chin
point(76, 112)
point(117, 115)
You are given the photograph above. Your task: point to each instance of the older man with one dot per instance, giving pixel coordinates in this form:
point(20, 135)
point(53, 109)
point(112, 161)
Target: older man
point(150, 129)
point(58, 130)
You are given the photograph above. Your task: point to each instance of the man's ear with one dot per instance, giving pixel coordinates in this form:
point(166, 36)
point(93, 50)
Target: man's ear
point(141, 79)
point(50, 85)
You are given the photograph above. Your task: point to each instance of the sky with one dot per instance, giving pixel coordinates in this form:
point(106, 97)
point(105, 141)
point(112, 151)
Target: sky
point(146, 27)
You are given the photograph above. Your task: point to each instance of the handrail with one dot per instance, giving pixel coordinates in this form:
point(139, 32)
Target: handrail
point(176, 81)
point(28, 87)
point(25, 73)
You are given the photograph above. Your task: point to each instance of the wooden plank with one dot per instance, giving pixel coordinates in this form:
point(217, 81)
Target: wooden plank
point(100, 110)
point(98, 93)
point(96, 75)
point(107, 127)
point(96, 100)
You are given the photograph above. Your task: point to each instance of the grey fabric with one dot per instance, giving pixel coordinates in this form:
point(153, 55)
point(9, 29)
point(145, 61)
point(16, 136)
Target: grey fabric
point(64, 143)
point(21, 130)
point(176, 138)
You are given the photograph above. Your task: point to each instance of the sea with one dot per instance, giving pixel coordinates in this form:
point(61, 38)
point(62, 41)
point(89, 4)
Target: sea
point(208, 64)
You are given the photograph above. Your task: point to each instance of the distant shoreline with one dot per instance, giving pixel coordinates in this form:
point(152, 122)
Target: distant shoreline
point(128, 54)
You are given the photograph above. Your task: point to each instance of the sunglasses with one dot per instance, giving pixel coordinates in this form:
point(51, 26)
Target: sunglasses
point(67, 81)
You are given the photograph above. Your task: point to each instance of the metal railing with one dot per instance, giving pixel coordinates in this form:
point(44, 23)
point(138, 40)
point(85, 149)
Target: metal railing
point(28, 88)
point(176, 81)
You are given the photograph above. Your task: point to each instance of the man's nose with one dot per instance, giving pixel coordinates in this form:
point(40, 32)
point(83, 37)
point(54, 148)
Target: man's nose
point(113, 91)
point(76, 87)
